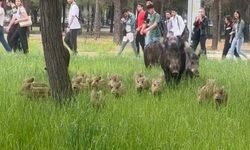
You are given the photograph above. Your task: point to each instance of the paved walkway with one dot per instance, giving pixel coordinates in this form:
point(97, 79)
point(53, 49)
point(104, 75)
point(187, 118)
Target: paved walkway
point(211, 54)
point(215, 54)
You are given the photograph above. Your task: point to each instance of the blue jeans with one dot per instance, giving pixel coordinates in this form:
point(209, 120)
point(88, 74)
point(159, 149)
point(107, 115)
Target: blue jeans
point(236, 43)
point(3, 41)
point(150, 39)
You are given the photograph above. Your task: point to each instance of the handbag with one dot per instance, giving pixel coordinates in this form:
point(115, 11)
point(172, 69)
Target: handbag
point(26, 23)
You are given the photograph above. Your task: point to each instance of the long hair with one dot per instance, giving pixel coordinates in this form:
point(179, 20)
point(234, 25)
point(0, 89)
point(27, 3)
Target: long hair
point(238, 12)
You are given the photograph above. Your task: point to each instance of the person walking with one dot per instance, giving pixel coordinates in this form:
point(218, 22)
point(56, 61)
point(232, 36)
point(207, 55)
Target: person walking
point(167, 25)
point(200, 32)
point(238, 40)
point(146, 21)
point(2, 39)
point(21, 32)
point(128, 22)
point(73, 26)
point(13, 43)
point(140, 38)
point(228, 36)
point(177, 22)
point(152, 31)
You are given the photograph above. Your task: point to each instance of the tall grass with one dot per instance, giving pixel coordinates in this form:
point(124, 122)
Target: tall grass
point(134, 121)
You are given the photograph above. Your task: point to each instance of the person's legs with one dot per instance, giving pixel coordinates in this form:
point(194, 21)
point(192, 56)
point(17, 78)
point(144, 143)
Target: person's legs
point(23, 39)
point(67, 40)
point(232, 48)
point(123, 45)
point(3, 41)
point(73, 39)
point(131, 39)
point(194, 44)
point(137, 41)
point(203, 44)
point(226, 48)
point(238, 47)
point(147, 39)
point(236, 53)
point(142, 42)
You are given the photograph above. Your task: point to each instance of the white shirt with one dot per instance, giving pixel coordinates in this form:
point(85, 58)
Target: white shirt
point(2, 14)
point(74, 13)
point(178, 25)
point(19, 12)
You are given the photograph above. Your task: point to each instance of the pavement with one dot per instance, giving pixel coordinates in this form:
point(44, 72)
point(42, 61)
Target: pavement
point(211, 54)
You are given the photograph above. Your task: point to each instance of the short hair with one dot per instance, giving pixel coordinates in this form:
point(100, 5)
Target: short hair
point(229, 18)
point(167, 11)
point(174, 9)
point(140, 4)
point(125, 10)
point(150, 6)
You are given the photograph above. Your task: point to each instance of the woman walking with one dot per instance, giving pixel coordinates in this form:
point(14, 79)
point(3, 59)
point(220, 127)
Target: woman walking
point(238, 40)
point(21, 32)
point(228, 36)
point(2, 39)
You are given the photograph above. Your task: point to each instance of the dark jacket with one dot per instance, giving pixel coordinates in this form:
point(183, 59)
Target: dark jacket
point(203, 31)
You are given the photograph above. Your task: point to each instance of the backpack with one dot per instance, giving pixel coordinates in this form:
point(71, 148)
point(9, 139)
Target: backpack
point(161, 27)
point(185, 33)
point(80, 17)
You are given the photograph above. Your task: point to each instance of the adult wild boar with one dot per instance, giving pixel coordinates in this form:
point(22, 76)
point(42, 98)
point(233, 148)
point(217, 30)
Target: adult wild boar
point(192, 63)
point(152, 54)
point(173, 59)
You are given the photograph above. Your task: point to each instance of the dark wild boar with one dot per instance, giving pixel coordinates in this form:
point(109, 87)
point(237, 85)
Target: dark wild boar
point(192, 63)
point(173, 59)
point(152, 54)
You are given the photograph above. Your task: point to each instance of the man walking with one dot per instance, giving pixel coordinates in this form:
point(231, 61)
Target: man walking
point(167, 25)
point(128, 21)
point(178, 24)
point(152, 31)
point(73, 26)
point(140, 39)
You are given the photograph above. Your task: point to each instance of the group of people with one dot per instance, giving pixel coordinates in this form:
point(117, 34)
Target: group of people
point(141, 30)
point(17, 35)
point(17, 38)
point(148, 27)
point(234, 36)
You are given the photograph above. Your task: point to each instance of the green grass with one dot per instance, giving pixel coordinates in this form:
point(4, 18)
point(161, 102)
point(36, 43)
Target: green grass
point(174, 121)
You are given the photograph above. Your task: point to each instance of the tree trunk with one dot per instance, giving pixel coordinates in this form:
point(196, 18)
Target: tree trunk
point(112, 18)
point(64, 15)
point(92, 18)
point(215, 23)
point(117, 25)
point(219, 21)
point(88, 18)
point(97, 25)
point(56, 55)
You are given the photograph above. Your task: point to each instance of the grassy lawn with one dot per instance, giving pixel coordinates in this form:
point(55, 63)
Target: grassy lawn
point(134, 121)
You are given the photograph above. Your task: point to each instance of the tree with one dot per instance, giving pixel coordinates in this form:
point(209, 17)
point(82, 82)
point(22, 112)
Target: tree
point(215, 18)
point(56, 55)
point(117, 24)
point(97, 24)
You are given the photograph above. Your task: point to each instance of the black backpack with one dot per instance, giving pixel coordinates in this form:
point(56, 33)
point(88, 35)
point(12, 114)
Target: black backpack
point(80, 17)
point(185, 33)
point(161, 27)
